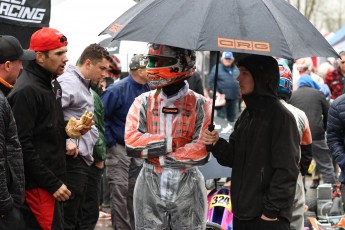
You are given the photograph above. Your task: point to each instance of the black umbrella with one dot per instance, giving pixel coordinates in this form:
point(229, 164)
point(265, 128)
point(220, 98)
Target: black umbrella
point(264, 27)
point(112, 46)
point(123, 47)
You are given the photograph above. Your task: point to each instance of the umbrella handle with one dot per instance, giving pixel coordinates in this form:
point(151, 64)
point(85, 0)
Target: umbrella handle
point(211, 126)
point(210, 147)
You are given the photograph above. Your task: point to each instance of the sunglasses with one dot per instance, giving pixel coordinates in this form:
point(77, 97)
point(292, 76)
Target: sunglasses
point(63, 39)
point(114, 71)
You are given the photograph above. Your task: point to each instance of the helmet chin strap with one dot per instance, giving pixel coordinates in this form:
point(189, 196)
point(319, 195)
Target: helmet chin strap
point(173, 89)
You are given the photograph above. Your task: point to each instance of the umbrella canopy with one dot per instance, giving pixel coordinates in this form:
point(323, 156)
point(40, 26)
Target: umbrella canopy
point(123, 47)
point(264, 27)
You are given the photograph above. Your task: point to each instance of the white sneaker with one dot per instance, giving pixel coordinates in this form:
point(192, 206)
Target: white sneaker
point(104, 216)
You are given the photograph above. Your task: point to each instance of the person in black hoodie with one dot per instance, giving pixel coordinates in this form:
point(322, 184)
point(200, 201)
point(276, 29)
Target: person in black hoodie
point(263, 150)
point(36, 105)
point(11, 157)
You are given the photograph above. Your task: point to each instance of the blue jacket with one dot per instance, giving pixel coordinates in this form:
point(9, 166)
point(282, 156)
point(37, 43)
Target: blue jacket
point(117, 99)
point(227, 83)
point(335, 133)
point(306, 80)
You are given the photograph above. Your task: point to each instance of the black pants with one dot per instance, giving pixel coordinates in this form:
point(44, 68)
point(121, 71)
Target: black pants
point(77, 172)
point(104, 196)
point(13, 220)
point(259, 224)
point(90, 206)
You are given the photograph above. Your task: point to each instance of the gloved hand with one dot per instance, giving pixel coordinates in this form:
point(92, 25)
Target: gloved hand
point(178, 142)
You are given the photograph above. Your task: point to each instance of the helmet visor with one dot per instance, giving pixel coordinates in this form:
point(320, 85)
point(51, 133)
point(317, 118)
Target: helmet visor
point(114, 71)
point(156, 61)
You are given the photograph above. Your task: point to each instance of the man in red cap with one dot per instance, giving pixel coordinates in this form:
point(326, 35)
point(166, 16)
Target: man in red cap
point(36, 105)
point(11, 157)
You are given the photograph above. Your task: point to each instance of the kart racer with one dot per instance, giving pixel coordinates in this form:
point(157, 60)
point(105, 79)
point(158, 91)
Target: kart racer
point(164, 126)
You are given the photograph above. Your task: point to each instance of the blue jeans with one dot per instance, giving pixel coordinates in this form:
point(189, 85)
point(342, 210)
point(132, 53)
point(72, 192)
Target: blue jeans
point(229, 111)
point(231, 108)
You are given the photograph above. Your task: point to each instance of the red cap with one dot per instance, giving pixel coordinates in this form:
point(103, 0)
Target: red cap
point(47, 39)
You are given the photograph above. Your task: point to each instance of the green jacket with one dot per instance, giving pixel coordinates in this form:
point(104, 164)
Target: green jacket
point(99, 151)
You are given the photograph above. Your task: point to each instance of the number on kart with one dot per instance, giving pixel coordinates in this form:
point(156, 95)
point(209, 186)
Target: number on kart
point(222, 201)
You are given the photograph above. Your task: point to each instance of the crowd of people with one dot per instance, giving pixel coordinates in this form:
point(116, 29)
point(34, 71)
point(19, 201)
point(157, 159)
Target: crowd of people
point(75, 139)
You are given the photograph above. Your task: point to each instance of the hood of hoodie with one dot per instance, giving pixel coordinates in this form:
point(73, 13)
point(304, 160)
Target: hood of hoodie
point(306, 80)
point(265, 72)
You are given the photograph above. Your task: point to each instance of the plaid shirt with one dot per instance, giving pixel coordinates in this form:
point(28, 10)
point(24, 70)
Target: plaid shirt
point(335, 82)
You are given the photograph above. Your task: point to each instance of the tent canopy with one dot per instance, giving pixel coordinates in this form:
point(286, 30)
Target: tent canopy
point(338, 40)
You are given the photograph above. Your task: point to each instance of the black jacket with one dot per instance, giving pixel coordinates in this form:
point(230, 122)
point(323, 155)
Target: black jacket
point(263, 151)
point(336, 133)
point(41, 128)
point(195, 83)
point(315, 106)
point(11, 158)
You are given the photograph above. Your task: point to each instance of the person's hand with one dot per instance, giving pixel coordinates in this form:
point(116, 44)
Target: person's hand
point(263, 217)
point(75, 128)
point(62, 194)
point(210, 138)
point(72, 149)
point(86, 128)
point(99, 164)
point(85, 122)
point(71, 128)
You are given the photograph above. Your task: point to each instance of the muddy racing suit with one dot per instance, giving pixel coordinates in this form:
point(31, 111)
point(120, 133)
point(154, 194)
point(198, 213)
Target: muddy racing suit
point(167, 133)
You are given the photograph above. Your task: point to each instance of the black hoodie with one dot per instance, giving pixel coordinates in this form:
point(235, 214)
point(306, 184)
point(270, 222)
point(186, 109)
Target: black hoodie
point(263, 150)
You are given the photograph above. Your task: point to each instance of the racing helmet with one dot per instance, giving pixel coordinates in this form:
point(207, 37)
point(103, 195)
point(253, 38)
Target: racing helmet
point(114, 69)
point(167, 64)
point(285, 83)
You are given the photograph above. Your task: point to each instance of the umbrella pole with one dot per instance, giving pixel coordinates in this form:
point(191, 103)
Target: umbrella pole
point(211, 125)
